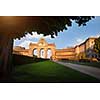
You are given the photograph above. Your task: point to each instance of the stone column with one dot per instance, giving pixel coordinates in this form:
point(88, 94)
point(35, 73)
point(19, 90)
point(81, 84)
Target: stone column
point(53, 53)
point(45, 53)
point(38, 53)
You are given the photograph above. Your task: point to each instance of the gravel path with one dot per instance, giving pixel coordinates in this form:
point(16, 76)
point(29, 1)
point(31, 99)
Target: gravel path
point(92, 71)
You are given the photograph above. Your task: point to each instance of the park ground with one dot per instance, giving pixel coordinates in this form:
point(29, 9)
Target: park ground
point(48, 71)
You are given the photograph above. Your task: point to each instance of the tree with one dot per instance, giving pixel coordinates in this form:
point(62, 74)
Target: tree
point(17, 26)
point(97, 45)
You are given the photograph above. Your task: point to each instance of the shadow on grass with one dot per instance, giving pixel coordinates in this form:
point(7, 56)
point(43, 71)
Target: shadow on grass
point(49, 72)
point(30, 78)
point(21, 60)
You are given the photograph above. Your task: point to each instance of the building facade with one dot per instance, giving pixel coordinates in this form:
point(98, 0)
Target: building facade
point(85, 49)
point(67, 53)
point(42, 49)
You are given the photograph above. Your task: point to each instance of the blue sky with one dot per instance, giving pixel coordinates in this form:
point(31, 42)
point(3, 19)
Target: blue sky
point(74, 35)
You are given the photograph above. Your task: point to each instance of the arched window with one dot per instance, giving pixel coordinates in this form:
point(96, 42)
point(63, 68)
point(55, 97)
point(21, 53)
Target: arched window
point(49, 53)
point(42, 53)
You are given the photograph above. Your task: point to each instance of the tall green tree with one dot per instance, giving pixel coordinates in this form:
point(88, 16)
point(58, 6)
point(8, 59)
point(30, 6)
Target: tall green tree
point(97, 45)
point(12, 27)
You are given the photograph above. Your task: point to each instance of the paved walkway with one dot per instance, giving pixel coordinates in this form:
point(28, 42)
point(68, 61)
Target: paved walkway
point(92, 71)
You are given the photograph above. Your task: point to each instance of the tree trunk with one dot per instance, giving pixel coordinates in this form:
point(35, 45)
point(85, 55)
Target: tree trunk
point(6, 47)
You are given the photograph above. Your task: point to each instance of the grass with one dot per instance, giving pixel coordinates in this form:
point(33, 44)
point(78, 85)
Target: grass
point(47, 71)
point(21, 59)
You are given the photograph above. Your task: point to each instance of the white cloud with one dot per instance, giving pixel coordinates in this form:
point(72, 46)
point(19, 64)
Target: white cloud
point(37, 36)
point(26, 44)
point(78, 41)
point(25, 41)
point(97, 35)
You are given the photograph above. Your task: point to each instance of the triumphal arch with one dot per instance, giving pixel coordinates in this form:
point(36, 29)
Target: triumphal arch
point(42, 49)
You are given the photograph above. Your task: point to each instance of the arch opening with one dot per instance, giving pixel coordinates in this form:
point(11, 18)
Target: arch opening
point(42, 53)
point(35, 52)
point(49, 53)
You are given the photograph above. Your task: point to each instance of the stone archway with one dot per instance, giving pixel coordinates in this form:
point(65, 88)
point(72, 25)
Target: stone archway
point(35, 52)
point(43, 49)
point(49, 53)
point(42, 53)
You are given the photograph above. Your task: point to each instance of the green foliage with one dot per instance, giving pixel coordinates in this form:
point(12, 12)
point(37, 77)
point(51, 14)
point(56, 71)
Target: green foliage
point(18, 26)
point(97, 45)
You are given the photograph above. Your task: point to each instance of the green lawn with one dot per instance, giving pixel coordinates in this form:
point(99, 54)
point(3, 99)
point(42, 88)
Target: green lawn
point(47, 71)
